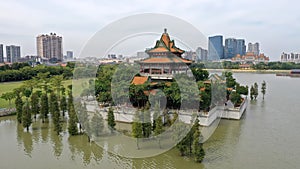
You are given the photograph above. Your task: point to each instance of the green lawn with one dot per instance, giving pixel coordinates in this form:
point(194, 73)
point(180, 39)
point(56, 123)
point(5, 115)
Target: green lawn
point(7, 87)
point(10, 86)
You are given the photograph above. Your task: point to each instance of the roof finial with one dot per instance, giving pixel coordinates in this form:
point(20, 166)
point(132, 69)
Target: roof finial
point(165, 30)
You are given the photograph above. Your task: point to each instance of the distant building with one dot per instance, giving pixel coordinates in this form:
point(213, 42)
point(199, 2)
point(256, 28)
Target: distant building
point(254, 48)
point(230, 48)
point(190, 55)
point(241, 47)
point(233, 47)
point(142, 55)
point(69, 55)
point(215, 48)
point(250, 57)
point(13, 53)
point(49, 46)
point(201, 54)
point(1, 54)
point(292, 57)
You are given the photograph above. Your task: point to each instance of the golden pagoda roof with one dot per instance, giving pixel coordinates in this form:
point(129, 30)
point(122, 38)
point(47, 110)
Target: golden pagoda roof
point(165, 44)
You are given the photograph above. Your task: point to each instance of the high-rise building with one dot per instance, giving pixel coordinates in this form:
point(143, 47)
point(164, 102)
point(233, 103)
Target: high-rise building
point(241, 47)
point(1, 54)
point(215, 48)
point(49, 46)
point(233, 47)
point(254, 48)
point(201, 54)
point(13, 53)
point(230, 49)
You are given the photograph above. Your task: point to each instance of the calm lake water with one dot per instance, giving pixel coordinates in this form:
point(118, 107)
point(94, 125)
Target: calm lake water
point(267, 136)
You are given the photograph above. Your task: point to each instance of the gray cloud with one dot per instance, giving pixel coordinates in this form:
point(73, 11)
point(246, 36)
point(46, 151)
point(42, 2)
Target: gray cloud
point(274, 24)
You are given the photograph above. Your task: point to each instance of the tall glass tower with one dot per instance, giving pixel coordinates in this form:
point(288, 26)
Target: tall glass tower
point(215, 48)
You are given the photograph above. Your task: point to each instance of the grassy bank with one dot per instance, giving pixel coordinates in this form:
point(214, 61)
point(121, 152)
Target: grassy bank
point(10, 86)
point(249, 70)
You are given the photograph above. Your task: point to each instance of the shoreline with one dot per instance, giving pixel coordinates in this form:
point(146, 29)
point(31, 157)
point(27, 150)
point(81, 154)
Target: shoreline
point(271, 71)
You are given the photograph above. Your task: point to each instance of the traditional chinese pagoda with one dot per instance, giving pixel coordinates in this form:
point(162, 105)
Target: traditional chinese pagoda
point(164, 60)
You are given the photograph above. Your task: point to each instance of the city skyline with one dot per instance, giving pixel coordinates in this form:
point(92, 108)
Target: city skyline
point(78, 21)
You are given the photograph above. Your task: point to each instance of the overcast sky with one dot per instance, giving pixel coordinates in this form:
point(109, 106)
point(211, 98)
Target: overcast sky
point(275, 24)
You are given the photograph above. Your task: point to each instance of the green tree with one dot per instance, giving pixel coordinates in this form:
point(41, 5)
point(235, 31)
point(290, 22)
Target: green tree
point(35, 104)
point(198, 150)
point(54, 110)
point(167, 118)
point(230, 81)
point(137, 128)
point(252, 92)
point(158, 129)
point(235, 98)
point(97, 124)
point(19, 106)
point(26, 116)
point(200, 74)
point(146, 125)
point(8, 96)
point(27, 92)
point(242, 89)
point(175, 117)
point(111, 119)
point(72, 124)
point(263, 89)
point(70, 97)
point(180, 137)
point(63, 102)
point(255, 90)
point(44, 107)
point(156, 114)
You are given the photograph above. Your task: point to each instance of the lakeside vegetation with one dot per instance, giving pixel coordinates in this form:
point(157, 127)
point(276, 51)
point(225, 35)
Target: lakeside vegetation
point(23, 71)
point(258, 66)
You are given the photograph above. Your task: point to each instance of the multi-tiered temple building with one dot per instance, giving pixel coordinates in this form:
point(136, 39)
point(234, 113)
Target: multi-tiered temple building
point(164, 60)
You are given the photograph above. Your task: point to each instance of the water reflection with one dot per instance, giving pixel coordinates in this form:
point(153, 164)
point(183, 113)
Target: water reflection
point(56, 141)
point(44, 127)
point(36, 132)
point(25, 139)
point(80, 145)
point(27, 142)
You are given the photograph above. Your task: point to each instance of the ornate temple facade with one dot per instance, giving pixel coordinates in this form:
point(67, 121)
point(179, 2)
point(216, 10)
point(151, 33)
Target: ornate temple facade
point(164, 60)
